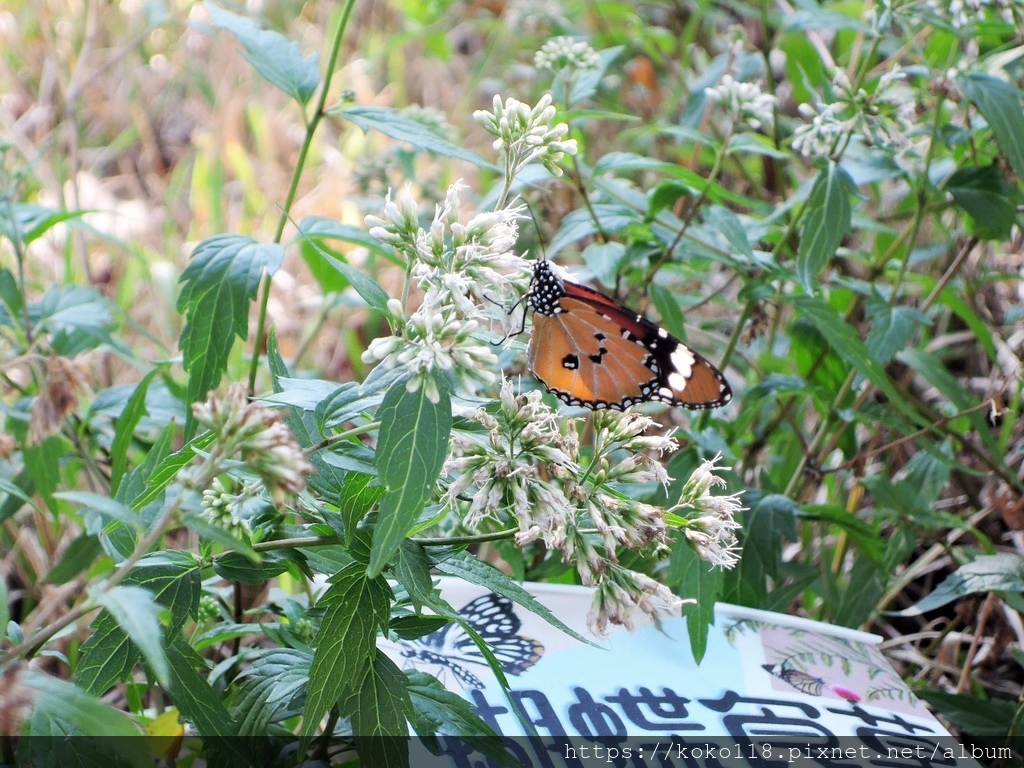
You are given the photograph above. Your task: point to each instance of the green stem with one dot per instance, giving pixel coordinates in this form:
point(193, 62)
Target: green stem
point(311, 126)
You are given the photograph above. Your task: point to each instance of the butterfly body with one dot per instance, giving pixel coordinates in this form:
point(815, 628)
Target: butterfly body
point(591, 351)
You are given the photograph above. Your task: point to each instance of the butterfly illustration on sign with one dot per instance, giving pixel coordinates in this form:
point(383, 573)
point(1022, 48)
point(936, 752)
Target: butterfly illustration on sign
point(493, 618)
point(806, 682)
point(591, 351)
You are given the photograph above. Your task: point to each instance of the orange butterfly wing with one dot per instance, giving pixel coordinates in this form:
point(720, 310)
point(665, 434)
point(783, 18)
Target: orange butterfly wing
point(591, 351)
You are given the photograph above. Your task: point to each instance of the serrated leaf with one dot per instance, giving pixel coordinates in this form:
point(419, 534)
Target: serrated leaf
point(220, 281)
point(1002, 572)
point(200, 704)
point(392, 123)
point(357, 499)
point(412, 446)
point(826, 222)
point(107, 656)
point(988, 198)
point(437, 711)
point(466, 567)
point(273, 55)
point(378, 710)
point(174, 580)
point(234, 566)
point(276, 677)
point(694, 579)
point(124, 429)
point(357, 609)
point(139, 617)
point(999, 102)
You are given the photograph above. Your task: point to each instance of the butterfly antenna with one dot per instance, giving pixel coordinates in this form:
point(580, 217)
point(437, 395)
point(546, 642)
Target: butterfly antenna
point(509, 311)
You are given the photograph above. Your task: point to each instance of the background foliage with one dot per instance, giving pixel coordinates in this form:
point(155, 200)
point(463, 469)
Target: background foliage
point(849, 251)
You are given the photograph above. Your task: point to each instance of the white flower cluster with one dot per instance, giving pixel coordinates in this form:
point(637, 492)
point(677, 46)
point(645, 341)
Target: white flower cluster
point(561, 53)
point(259, 435)
point(528, 469)
point(457, 266)
point(881, 118)
point(746, 102)
point(524, 134)
point(709, 522)
point(964, 13)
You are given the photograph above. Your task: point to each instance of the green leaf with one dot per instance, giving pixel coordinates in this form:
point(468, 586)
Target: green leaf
point(987, 197)
point(665, 196)
point(827, 218)
point(412, 571)
point(68, 702)
point(367, 288)
point(822, 19)
point(603, 259)
point(275, 57)
point(892, 328)
point(42, 463)
point(30, 221)
point(220, 281)
point(80, 554)
point(357, 499)
point(199, 703)
point(1002, 572)
point(104, 506)
point(412, 446)
point(124, 429)
point(843, 339)
point(138, 615)
point(982, 718)
point(174, 580)
point(466, 567)
point(668, 309)
point(169, 467)
point(378, 710)
point(580, 224)
point(357, 609)
point(692, 578)
point(5, 610)
point(999, 102)
point(235, 566)
point(437, 711)
point(729, 224)
point(392, 123)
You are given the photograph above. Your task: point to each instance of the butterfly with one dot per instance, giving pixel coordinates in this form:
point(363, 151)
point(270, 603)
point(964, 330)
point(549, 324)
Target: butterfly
point(806, 682)
point(494, 619)
point(589, 350)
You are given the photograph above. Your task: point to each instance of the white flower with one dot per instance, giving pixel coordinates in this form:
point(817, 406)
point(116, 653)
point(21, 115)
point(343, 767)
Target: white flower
point(524, 134)
point(746, 102)
point(710, 521)
point(563, 52)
